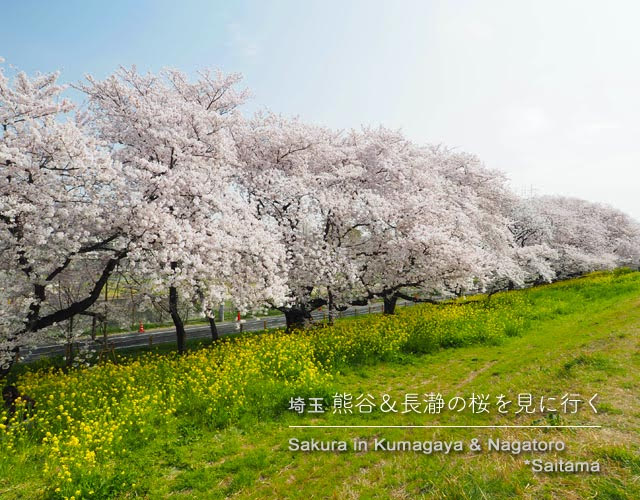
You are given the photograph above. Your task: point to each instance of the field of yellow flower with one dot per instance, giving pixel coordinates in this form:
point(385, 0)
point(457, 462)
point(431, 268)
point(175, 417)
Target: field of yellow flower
point(89, 421)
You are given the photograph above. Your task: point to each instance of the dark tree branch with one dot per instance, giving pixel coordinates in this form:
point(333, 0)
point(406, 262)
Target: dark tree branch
point(81, 305)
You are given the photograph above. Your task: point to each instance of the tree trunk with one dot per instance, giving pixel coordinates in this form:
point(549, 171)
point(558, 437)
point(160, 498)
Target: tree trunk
point(297, 318)
point(330, 306)
point(389, 304)
point(69, 347)
point(177, 320)
point(68, 354)
point(214, 328)
point(4, 372)
point(105, 338)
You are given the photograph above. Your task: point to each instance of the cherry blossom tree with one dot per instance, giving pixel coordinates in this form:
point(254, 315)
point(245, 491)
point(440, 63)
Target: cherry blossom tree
point(293, 175)
point(443, 229)
point(531, 234)
point(57, 192)
point(197, 235)
point(583, 236)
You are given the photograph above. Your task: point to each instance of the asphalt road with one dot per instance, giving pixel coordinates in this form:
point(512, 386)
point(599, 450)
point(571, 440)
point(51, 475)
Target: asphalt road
point(168, 335)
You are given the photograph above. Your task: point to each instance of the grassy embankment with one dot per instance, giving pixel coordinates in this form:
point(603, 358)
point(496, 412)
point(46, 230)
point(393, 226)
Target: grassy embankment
point(215, 423)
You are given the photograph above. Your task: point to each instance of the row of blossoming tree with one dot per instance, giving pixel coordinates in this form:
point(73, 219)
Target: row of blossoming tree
point(162, 183)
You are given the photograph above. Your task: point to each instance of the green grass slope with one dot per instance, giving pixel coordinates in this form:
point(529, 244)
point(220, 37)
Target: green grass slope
point(576, 337)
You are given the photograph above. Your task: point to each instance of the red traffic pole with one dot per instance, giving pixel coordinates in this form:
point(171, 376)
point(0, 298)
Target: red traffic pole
point(238, 316)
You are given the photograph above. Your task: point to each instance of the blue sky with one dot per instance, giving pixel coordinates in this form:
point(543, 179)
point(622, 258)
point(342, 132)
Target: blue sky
point(546, 91)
